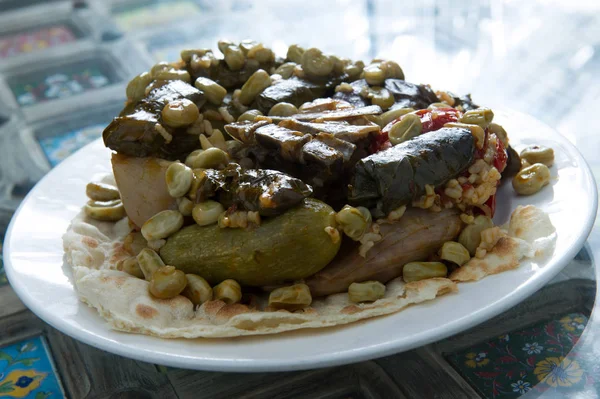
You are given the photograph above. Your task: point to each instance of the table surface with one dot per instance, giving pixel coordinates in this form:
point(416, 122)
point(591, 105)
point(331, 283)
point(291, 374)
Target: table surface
point(538, 57)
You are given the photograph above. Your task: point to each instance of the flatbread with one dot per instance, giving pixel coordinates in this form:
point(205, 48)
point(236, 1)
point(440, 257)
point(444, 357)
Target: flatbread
point(93, 248)
point(530, 233)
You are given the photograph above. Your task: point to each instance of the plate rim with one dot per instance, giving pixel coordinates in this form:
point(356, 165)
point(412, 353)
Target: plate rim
point(346, 356)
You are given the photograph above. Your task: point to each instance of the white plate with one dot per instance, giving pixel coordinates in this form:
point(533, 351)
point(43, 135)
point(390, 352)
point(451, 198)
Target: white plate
point(33, 256)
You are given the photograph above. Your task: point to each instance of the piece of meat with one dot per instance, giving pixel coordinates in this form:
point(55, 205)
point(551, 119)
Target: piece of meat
point(418, 234)
point(141, 182)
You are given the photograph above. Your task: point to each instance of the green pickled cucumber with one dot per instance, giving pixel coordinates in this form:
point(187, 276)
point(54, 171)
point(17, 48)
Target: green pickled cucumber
point(288, 247)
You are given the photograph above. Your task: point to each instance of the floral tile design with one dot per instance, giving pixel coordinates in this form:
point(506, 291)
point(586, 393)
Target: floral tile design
point(36, 39)
point(60, 82)
point(153, 13)
point(531, 359)
point(26, 371)
point(57, 148)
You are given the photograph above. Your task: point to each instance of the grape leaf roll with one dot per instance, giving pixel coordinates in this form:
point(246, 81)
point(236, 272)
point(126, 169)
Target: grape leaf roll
point(396, 176)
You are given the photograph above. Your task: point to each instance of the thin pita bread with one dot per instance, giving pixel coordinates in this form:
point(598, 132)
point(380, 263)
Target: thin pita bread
point(93, 248)
point(530, 233)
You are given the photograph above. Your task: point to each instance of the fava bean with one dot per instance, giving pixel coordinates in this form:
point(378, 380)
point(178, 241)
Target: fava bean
point(367, 291)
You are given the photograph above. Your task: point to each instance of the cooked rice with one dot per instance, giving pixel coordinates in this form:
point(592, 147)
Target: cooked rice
point(467, 219)
point(227, 117)
point(163, 132)
point(489, 238)
point(333, 233)
point(238, 219)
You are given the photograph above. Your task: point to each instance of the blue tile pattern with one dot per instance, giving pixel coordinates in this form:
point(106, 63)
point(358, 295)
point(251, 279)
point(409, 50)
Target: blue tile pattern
point(26, 371)
point(59, 147)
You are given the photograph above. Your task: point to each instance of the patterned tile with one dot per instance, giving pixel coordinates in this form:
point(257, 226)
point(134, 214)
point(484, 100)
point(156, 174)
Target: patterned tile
point(59, 147)
point(60, 82)
point(531, 359)
point(152, 13)
point(26, 371)
point(33, 40)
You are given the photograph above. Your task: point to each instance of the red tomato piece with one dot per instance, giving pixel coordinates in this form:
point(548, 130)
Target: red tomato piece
point(501, 157)
point(436, 119)
point(491, 203)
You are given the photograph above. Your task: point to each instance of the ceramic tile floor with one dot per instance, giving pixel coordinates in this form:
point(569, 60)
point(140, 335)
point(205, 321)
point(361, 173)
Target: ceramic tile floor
point(27, 371)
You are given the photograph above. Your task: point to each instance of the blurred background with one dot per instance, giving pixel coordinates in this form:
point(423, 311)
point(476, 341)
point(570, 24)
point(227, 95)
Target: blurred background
point(64, 66)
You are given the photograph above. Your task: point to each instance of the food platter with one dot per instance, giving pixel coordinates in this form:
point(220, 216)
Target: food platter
point(34, 259)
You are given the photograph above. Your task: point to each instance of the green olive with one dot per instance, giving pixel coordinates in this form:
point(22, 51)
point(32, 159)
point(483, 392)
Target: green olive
point(211, 158)
point(108, 211)
point(178, 113)
point(228, 291)
point(454, 252)
point(255, 84)
point(538, 154)
point(207, 212)
point(214, 92)
point(470, 237)
point(408, 127)
point(367, 291)
point(293, 297)
point(315, 63)
point(179, 179)
point(167, 282)
point(531, 179)
point(283, 109)
point(415, 271)
point(197, 289)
